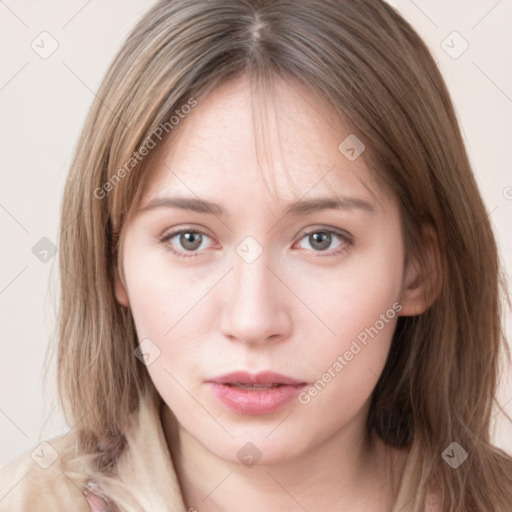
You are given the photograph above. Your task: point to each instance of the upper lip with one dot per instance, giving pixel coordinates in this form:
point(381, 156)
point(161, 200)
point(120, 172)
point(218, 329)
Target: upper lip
point(261, 378)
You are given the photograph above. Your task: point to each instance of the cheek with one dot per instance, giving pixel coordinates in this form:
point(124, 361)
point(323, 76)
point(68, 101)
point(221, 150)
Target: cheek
point(160, 292)
point(167, 304)
point(363, 317)
point(352, 295)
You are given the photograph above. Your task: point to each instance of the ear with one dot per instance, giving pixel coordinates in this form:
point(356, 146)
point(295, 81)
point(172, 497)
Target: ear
point(423, 276)
point(120, 290)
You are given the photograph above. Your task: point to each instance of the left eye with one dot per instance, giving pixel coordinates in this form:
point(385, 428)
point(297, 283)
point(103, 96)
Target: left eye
point(321, 240)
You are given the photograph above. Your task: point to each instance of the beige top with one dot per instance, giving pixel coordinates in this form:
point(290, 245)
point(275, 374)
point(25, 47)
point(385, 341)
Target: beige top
point(44, 479)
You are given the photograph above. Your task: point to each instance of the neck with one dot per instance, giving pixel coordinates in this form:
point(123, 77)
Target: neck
point(348, 469)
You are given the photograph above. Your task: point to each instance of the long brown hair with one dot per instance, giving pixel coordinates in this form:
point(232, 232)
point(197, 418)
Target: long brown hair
point(440, 379)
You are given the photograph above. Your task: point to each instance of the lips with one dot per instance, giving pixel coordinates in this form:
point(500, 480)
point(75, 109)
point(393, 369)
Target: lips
point(262, 379)
point(252, 394)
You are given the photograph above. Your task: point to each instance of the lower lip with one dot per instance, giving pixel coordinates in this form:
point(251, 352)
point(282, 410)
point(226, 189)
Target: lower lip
point(257, 401)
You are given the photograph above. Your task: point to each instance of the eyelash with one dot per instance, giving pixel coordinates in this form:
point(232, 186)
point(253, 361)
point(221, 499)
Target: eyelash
point(344, 237)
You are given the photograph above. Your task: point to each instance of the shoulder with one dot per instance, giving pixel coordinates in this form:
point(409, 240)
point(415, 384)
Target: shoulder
point(42, 479)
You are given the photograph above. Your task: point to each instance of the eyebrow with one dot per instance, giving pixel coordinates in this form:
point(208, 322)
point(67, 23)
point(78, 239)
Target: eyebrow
point(301, 207)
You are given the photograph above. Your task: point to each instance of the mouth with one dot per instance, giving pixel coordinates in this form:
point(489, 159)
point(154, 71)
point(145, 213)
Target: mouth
point(256, 380)
point(253, 387)
point(255, 394)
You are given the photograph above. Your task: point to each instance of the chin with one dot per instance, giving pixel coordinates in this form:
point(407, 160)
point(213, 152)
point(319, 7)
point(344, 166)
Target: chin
point(255, 446)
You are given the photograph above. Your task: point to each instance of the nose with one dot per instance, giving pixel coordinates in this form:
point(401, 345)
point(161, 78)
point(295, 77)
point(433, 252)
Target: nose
point(257, 305)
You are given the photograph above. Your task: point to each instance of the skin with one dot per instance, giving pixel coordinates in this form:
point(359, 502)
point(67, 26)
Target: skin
point(293, 310)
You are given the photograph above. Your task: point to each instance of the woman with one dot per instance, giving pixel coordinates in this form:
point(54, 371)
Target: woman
point(280, 288)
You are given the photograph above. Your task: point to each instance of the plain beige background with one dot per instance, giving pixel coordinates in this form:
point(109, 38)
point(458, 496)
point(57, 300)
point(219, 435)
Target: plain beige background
point(43, 102)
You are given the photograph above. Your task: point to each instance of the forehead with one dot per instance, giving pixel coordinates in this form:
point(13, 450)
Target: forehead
point(279, 143)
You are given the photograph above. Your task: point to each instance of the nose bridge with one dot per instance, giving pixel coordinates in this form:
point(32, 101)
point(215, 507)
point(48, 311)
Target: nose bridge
point(252, 278)
point(254, 309)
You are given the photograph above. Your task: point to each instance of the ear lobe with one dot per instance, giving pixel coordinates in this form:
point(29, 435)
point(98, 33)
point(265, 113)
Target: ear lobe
point(423, 276)
point(120, 290)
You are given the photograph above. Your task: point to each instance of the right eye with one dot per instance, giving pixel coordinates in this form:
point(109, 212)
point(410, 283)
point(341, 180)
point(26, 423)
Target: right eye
point(190, 241)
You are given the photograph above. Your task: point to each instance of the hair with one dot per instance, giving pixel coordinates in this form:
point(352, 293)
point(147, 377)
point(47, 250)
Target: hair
point(365, 61)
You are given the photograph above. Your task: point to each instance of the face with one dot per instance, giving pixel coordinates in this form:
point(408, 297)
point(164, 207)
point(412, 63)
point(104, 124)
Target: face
point(256, 284)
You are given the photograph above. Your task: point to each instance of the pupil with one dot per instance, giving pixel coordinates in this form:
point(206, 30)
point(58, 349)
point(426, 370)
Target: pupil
point(323, 240)
point(187, 240)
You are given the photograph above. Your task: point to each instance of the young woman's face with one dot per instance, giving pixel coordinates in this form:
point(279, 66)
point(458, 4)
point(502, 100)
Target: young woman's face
point(263, 282)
